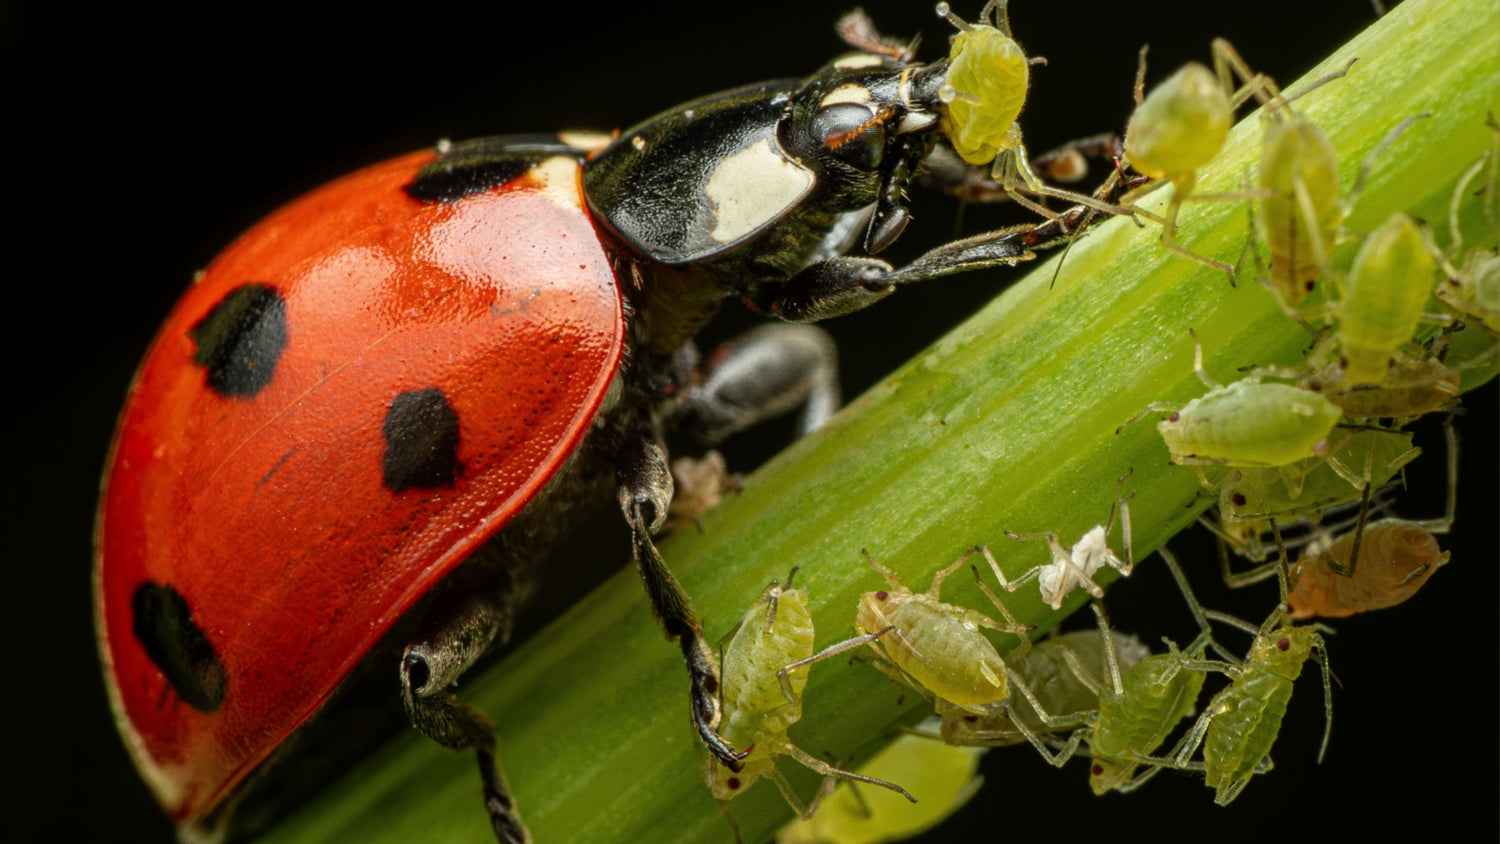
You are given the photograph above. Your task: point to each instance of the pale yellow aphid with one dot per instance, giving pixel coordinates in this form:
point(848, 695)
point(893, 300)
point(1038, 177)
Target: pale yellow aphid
point(985, 90)
point(945, 776)
point(1180, 127)
point(761, 701)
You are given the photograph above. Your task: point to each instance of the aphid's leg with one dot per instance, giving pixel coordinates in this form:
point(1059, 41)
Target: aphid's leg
point(1228, 64)
point(1182, 188)
point(830, 651)
point(1445, 523)
point(1122, 505)
point(1359, 533)
point(1054, 723)
point(828, 770)
point(1205, 630)
point(1030, 575)
point(645, 489)
point(1322, 649)
point(1347, 203)
point(787, 793)
point(1019, 630)
point(455, 633)
point(763, 373)
point(1018, 165)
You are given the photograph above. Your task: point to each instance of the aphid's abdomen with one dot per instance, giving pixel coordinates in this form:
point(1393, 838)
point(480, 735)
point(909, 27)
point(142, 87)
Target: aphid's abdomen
point(986, 88)
point(1395, 559)
point(1249, 423)
point(754, 705)
point(1158, 693)
point(1297, 155)
point(1181, 125)
point(1388, 288)
point(1248, 715)
point(949, 657)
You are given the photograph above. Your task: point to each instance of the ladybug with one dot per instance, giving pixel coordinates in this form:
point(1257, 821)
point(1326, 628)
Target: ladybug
point(389, 396)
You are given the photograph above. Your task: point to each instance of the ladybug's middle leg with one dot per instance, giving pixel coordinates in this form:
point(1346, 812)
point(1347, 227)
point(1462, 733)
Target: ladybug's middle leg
point(765, 372)
point(458, 629)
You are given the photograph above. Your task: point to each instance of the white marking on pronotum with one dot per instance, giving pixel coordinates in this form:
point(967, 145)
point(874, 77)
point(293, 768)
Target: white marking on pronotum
point(855, 61)
point(751, 187)
point(850, 93)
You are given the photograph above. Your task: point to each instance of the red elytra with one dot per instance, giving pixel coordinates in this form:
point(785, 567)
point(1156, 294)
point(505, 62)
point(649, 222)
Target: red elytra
point(500, 306)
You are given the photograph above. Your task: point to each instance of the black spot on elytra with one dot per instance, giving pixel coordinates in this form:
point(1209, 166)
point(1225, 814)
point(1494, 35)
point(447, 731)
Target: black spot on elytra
point(421, 441)
point(176, 644)
point(484, 163)
point(240, 340)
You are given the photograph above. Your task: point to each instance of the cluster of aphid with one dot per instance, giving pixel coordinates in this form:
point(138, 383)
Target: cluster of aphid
point(1278, 449)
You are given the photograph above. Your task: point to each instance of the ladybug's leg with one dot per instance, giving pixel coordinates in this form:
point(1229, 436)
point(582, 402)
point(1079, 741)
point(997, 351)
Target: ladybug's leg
point(943, 170)
point(455, 633)
point(842, 285)
point(645, 490)
point(765, 372)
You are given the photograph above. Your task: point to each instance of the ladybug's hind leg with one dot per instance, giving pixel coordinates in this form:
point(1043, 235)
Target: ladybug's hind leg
point(455, 633)
point(645, 490)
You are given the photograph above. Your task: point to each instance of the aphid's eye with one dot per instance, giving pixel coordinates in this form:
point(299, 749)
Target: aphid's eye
point(1238, 499)
point(882, 595)
point(733, 783)
point(1097, 770)
point(853, 133)
point(1283, 644)
point(1174, 417)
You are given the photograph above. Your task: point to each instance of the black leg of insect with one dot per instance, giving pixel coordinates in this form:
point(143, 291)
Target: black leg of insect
point(1248, 423)
point(1074, 568)
point(984, 93)
point(761, 702)
point(1239, 726)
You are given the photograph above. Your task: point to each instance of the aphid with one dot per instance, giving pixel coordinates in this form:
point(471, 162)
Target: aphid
point(984, 91)
point(1384, 297)
point(944, 775)
point(1074, 568)
point(1250, 498)
point(1246, 423)
point(701, 482)
point(761, 701)
point(1180, 126)
point(1414, 386)
point(1141, 706)
point(1372, 566)
point(1064, 672)
point(938, 650)
point(936, 647)
point(1473, 289)
point(1241, 723)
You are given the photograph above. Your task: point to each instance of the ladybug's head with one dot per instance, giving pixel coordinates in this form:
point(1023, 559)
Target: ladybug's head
point(783, 171)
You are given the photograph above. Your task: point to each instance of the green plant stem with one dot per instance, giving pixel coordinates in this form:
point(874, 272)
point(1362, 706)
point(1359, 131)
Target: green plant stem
point(1007, 423)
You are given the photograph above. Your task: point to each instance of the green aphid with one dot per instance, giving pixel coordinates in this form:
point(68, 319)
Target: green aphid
point(1385, 295)
point(761, 701)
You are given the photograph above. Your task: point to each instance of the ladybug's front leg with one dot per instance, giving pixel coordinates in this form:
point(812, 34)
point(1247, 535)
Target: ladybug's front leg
point(455, 633)
point(645, 490)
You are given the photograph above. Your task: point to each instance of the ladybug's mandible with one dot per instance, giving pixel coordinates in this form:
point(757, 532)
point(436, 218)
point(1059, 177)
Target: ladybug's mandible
point(411, 375)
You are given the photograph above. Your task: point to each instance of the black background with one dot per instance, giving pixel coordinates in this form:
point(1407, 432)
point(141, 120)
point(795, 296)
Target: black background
point(140, 142)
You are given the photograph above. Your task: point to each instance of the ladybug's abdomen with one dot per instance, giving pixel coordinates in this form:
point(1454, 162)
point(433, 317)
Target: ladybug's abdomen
point(357, 394)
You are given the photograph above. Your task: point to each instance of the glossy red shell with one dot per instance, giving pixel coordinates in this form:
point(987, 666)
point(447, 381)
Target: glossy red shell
point(268, 513)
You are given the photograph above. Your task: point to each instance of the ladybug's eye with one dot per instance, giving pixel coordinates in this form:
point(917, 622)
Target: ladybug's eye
point(853, 133)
